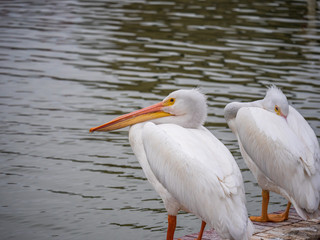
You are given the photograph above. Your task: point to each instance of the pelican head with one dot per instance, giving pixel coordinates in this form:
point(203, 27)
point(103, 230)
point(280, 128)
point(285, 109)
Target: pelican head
point(275, 101)
point(187, 108)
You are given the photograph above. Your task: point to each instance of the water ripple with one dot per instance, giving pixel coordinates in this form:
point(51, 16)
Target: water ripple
point(67, 66)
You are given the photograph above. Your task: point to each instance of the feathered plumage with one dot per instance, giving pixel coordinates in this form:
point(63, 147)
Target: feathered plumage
point(187, 165)
point(280, 148)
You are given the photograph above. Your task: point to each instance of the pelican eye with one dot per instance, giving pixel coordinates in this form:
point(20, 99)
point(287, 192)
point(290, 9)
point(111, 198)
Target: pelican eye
point(277, 110)
point(169, 102)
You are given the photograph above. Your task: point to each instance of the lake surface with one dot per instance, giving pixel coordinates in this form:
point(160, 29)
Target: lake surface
point(67, 66)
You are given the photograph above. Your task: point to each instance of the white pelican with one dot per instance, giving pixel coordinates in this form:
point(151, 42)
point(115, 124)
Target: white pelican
point(281, 150)
point(188, 166)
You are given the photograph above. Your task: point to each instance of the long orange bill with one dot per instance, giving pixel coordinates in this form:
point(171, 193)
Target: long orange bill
point(142, 115)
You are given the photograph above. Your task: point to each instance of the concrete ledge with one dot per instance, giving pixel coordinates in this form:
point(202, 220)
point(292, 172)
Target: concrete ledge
point(294, 228)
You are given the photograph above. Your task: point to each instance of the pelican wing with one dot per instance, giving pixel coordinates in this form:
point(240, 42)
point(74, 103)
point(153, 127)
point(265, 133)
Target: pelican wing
point(303, 130)
point(279, 154)
point(197, 169)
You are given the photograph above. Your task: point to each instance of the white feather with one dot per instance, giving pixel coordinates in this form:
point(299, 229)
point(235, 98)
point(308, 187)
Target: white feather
point(281, 151)
point(189, 167)
point(200, 172)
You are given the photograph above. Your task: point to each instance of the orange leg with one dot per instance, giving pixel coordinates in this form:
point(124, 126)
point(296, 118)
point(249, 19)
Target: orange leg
point(265, 217)
point(203, 225)
point(172, 222)
point(264, 209)
point(281, 216)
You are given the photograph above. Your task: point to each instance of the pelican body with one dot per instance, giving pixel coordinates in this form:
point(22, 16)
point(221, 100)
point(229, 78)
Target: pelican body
point(281, 150)
point(189, 167)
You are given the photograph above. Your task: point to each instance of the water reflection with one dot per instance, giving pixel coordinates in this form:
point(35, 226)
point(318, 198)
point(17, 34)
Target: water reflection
point(69, 65)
